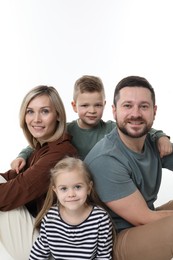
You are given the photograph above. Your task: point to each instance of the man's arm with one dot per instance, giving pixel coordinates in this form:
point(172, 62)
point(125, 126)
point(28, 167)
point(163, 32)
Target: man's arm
point(134, 209)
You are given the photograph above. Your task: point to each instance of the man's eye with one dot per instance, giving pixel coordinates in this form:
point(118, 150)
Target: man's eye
point(144, 107)
point(127, 105)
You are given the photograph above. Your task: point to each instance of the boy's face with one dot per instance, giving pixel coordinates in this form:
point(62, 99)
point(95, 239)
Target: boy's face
point(90, 107)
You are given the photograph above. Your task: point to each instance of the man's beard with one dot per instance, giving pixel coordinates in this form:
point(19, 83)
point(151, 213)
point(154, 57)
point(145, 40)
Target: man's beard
point(134, 135)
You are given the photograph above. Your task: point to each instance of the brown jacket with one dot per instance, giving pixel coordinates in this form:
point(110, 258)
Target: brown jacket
point(29, 188)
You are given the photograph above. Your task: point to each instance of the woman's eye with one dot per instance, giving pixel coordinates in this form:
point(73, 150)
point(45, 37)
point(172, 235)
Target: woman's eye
point(45, 111)
point(29, 111)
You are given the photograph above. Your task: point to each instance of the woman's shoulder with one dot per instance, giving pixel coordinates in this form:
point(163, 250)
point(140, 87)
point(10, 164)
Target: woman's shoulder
point(63, 144)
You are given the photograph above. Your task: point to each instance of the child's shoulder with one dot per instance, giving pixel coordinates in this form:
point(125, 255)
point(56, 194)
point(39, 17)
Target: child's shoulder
point(52, 212)
point(107, 124)
point(99, 210)
point(72, 124)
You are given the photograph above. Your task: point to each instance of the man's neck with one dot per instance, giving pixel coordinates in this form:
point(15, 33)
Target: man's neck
point(134, 144)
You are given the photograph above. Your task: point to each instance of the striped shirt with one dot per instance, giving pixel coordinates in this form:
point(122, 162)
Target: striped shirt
point(92, 239)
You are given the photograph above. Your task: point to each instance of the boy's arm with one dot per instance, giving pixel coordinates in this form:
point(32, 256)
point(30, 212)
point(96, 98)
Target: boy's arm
point(163, 142)
point(19, 163)
point(25, 153)
point(156, 134)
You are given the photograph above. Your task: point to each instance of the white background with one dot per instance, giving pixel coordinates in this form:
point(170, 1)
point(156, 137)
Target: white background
point(55, 42)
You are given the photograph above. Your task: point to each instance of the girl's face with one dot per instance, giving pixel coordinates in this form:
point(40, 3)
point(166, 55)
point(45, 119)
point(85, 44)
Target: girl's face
point(41, 118)
point(71, 189)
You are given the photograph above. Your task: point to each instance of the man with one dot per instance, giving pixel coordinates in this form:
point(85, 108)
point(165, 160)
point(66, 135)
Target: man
point(127, 171)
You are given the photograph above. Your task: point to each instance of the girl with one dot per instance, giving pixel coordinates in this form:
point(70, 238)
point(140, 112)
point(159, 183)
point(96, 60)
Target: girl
point(43, 120)
point(73, 226)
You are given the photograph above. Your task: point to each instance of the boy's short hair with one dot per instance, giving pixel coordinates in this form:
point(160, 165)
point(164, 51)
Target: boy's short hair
point(88, 83)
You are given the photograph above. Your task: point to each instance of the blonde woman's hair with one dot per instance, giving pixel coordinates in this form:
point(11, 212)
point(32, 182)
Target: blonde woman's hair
point(55, 99)
point(88, 84)
point(64, 165)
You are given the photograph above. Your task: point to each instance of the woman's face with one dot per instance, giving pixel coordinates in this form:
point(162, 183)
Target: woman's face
point(41, 118)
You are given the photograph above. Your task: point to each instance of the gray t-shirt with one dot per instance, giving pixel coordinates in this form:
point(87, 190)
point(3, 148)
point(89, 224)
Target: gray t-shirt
point(85, 139)
point(119, 172)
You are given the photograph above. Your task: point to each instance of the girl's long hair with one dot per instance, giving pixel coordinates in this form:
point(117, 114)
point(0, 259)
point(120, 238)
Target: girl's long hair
point(67, 164)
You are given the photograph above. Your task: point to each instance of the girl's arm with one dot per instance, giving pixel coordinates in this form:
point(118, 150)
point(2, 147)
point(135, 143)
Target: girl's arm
point(40, 247)
point(105, 239)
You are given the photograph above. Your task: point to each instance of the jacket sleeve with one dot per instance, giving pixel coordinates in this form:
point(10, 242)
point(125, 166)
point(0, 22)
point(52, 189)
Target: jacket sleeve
point(26, 152)
point(34, 181)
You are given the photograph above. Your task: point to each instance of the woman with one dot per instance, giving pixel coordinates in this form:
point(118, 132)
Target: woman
point(43, 120)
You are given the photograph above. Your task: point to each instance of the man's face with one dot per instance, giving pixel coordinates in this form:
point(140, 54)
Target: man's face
point(134, 112)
